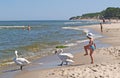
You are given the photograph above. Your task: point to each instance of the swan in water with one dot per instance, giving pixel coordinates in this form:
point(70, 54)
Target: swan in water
point(65, 57)
point(20, 61)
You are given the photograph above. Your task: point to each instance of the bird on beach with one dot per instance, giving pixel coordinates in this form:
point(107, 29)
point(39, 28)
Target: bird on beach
point(65, 57)
point(20, 61)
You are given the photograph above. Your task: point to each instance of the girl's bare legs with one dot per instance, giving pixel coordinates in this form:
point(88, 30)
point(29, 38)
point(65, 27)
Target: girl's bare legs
point(91, 53)
point(85, 48)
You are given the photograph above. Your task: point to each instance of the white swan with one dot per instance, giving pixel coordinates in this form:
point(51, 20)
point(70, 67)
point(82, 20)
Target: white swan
point(65, 57)
point(20, 61)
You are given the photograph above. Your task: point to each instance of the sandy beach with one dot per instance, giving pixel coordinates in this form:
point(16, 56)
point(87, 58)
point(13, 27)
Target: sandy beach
point(106, 60)
point(60, 39)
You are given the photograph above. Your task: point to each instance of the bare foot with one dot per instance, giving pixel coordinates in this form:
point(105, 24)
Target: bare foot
point(92, 62)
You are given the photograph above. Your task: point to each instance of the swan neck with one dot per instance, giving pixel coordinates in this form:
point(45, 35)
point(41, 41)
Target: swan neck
point(16, 55)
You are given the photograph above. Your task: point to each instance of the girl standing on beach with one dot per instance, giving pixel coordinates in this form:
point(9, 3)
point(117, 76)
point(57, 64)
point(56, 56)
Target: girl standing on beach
point(91, 46)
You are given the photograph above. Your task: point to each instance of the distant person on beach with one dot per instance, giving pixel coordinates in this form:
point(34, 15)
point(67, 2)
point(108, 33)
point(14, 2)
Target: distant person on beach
point(101, 27)
point(29, 28)
point(103, 20)
point(91, 46)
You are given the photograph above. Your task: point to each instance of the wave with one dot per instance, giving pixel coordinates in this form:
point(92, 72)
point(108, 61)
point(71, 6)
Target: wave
point(9, 27)
point(76, 43)
point(75, 28)
point(89, 22)
point(70, 44)
point(82, 22)
point(12, 27)
point(72, 22)
point(96, 36)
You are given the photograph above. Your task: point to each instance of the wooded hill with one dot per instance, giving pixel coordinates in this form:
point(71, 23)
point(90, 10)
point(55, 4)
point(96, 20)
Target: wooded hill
point(109, 13)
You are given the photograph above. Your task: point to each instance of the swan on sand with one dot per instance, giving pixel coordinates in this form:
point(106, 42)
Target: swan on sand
point(20, 61)
point(65, 57)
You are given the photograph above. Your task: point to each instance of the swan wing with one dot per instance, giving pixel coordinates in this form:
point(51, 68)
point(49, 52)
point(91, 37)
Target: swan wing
point(63, 57)
point(21, 61)
point(67, 55)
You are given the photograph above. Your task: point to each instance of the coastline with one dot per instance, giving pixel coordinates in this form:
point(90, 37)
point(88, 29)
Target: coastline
point(81, 63)
point(103, 67)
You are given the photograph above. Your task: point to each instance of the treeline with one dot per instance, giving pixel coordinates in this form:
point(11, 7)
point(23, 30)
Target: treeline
point(109, 13)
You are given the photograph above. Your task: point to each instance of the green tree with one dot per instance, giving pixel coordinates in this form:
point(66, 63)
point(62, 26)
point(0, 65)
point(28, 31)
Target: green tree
point(111, 12)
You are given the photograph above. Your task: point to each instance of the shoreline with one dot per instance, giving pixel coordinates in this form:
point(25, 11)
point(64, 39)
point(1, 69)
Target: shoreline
point(31, 58)
point(104, 69)
point(79, 62)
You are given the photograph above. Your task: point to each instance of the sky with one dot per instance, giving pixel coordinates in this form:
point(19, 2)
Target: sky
point(51, 9)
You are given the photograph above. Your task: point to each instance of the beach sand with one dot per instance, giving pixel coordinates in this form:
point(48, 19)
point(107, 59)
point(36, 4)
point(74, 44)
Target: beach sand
point(106, 60)
point(107, 65)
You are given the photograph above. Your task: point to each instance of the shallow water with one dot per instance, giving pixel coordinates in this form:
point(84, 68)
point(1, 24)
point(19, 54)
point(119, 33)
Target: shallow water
point(43, 36)
point(51, 61)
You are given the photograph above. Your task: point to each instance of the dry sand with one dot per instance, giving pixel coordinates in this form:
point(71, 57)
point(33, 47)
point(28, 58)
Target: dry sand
point(107, 60)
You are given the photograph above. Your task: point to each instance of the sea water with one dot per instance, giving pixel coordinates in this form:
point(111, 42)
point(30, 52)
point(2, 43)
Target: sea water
point(43, 36)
